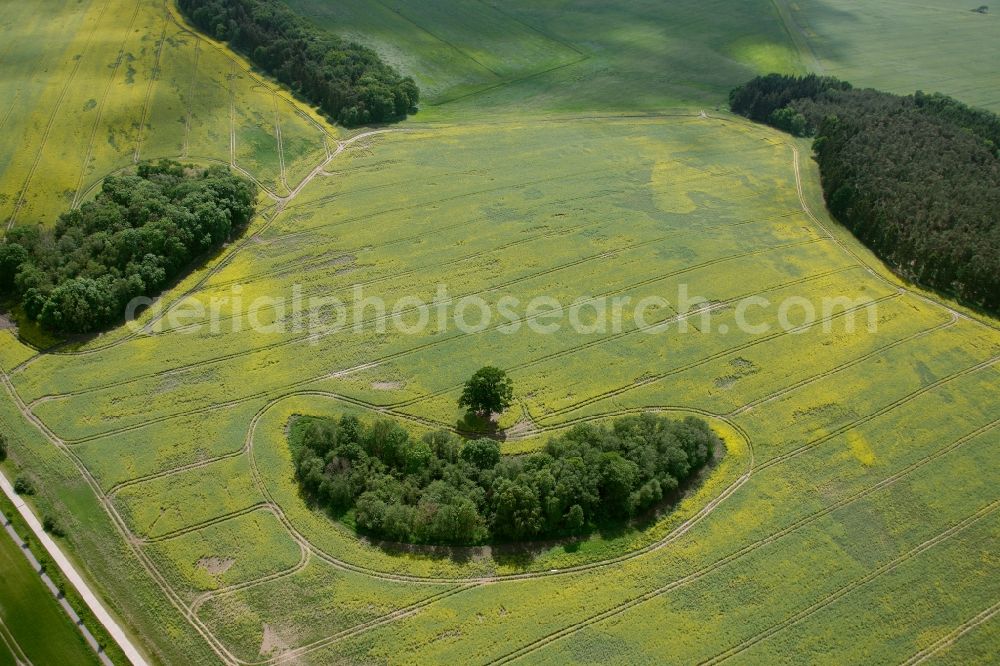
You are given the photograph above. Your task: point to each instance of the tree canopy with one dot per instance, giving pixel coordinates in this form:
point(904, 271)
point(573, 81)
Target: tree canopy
point(442, 490)
point(347, 81)
point(140, 232)
point(488, 390)
point(916, 178)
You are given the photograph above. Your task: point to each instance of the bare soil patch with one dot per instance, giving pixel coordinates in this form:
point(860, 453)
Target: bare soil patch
point(387, 386)
point(522, 430)
point(272, 644)
point(216, 565)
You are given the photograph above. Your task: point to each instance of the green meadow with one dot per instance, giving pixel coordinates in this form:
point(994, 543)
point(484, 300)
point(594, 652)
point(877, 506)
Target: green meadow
point(569, 150)
point(559, 56)
point(33, 627)
point(902, 46)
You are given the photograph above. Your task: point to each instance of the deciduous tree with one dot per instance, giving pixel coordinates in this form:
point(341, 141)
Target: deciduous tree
point(489, 390)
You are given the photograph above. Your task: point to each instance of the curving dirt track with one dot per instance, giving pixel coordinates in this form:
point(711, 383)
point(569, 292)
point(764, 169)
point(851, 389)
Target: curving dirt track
point(558, 419)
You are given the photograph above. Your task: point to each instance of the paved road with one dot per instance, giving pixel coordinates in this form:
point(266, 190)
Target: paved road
point(74, 577)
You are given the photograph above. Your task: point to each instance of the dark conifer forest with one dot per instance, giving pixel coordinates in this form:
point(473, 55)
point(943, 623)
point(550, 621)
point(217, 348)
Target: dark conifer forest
point(916, 178)
point(347, 81)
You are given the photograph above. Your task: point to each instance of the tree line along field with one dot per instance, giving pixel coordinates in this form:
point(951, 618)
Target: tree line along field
point(858, 489)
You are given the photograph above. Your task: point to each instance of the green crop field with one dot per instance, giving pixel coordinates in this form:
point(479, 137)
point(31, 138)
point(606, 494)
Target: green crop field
point(475, 57)
point(33, 628)
point(567, 150)
point(902, 46)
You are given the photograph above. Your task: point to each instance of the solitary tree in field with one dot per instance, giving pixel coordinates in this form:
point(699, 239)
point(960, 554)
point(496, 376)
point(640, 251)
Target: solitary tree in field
point(489, 390)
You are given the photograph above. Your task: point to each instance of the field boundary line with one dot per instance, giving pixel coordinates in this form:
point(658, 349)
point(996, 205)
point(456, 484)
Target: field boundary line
point(381, 407)
point(657, 377)
point(118, 524)
point(121, 485)
point(797, 36)
point(154, 76)
point(898, 283)
point(850, 587)
point(510, 82)
point(70, 443)
point(189, 113)
point(223, 260)
point(843, 366)
point(202, 524)
point(208, 595)
point(670, 319)
point(71, 574)
point(949, 639)
point(444, 41)
point(232, 114)
point(277, 137)
point(362, 627)
point(10, 109)
point(385, 317)
point(738, 554)
point(52, 118)
point(100, 108)
point(882, 411)
point(527, 25)
point(16, 651)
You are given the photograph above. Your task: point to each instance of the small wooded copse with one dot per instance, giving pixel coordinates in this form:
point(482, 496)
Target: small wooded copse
point(441, 489)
